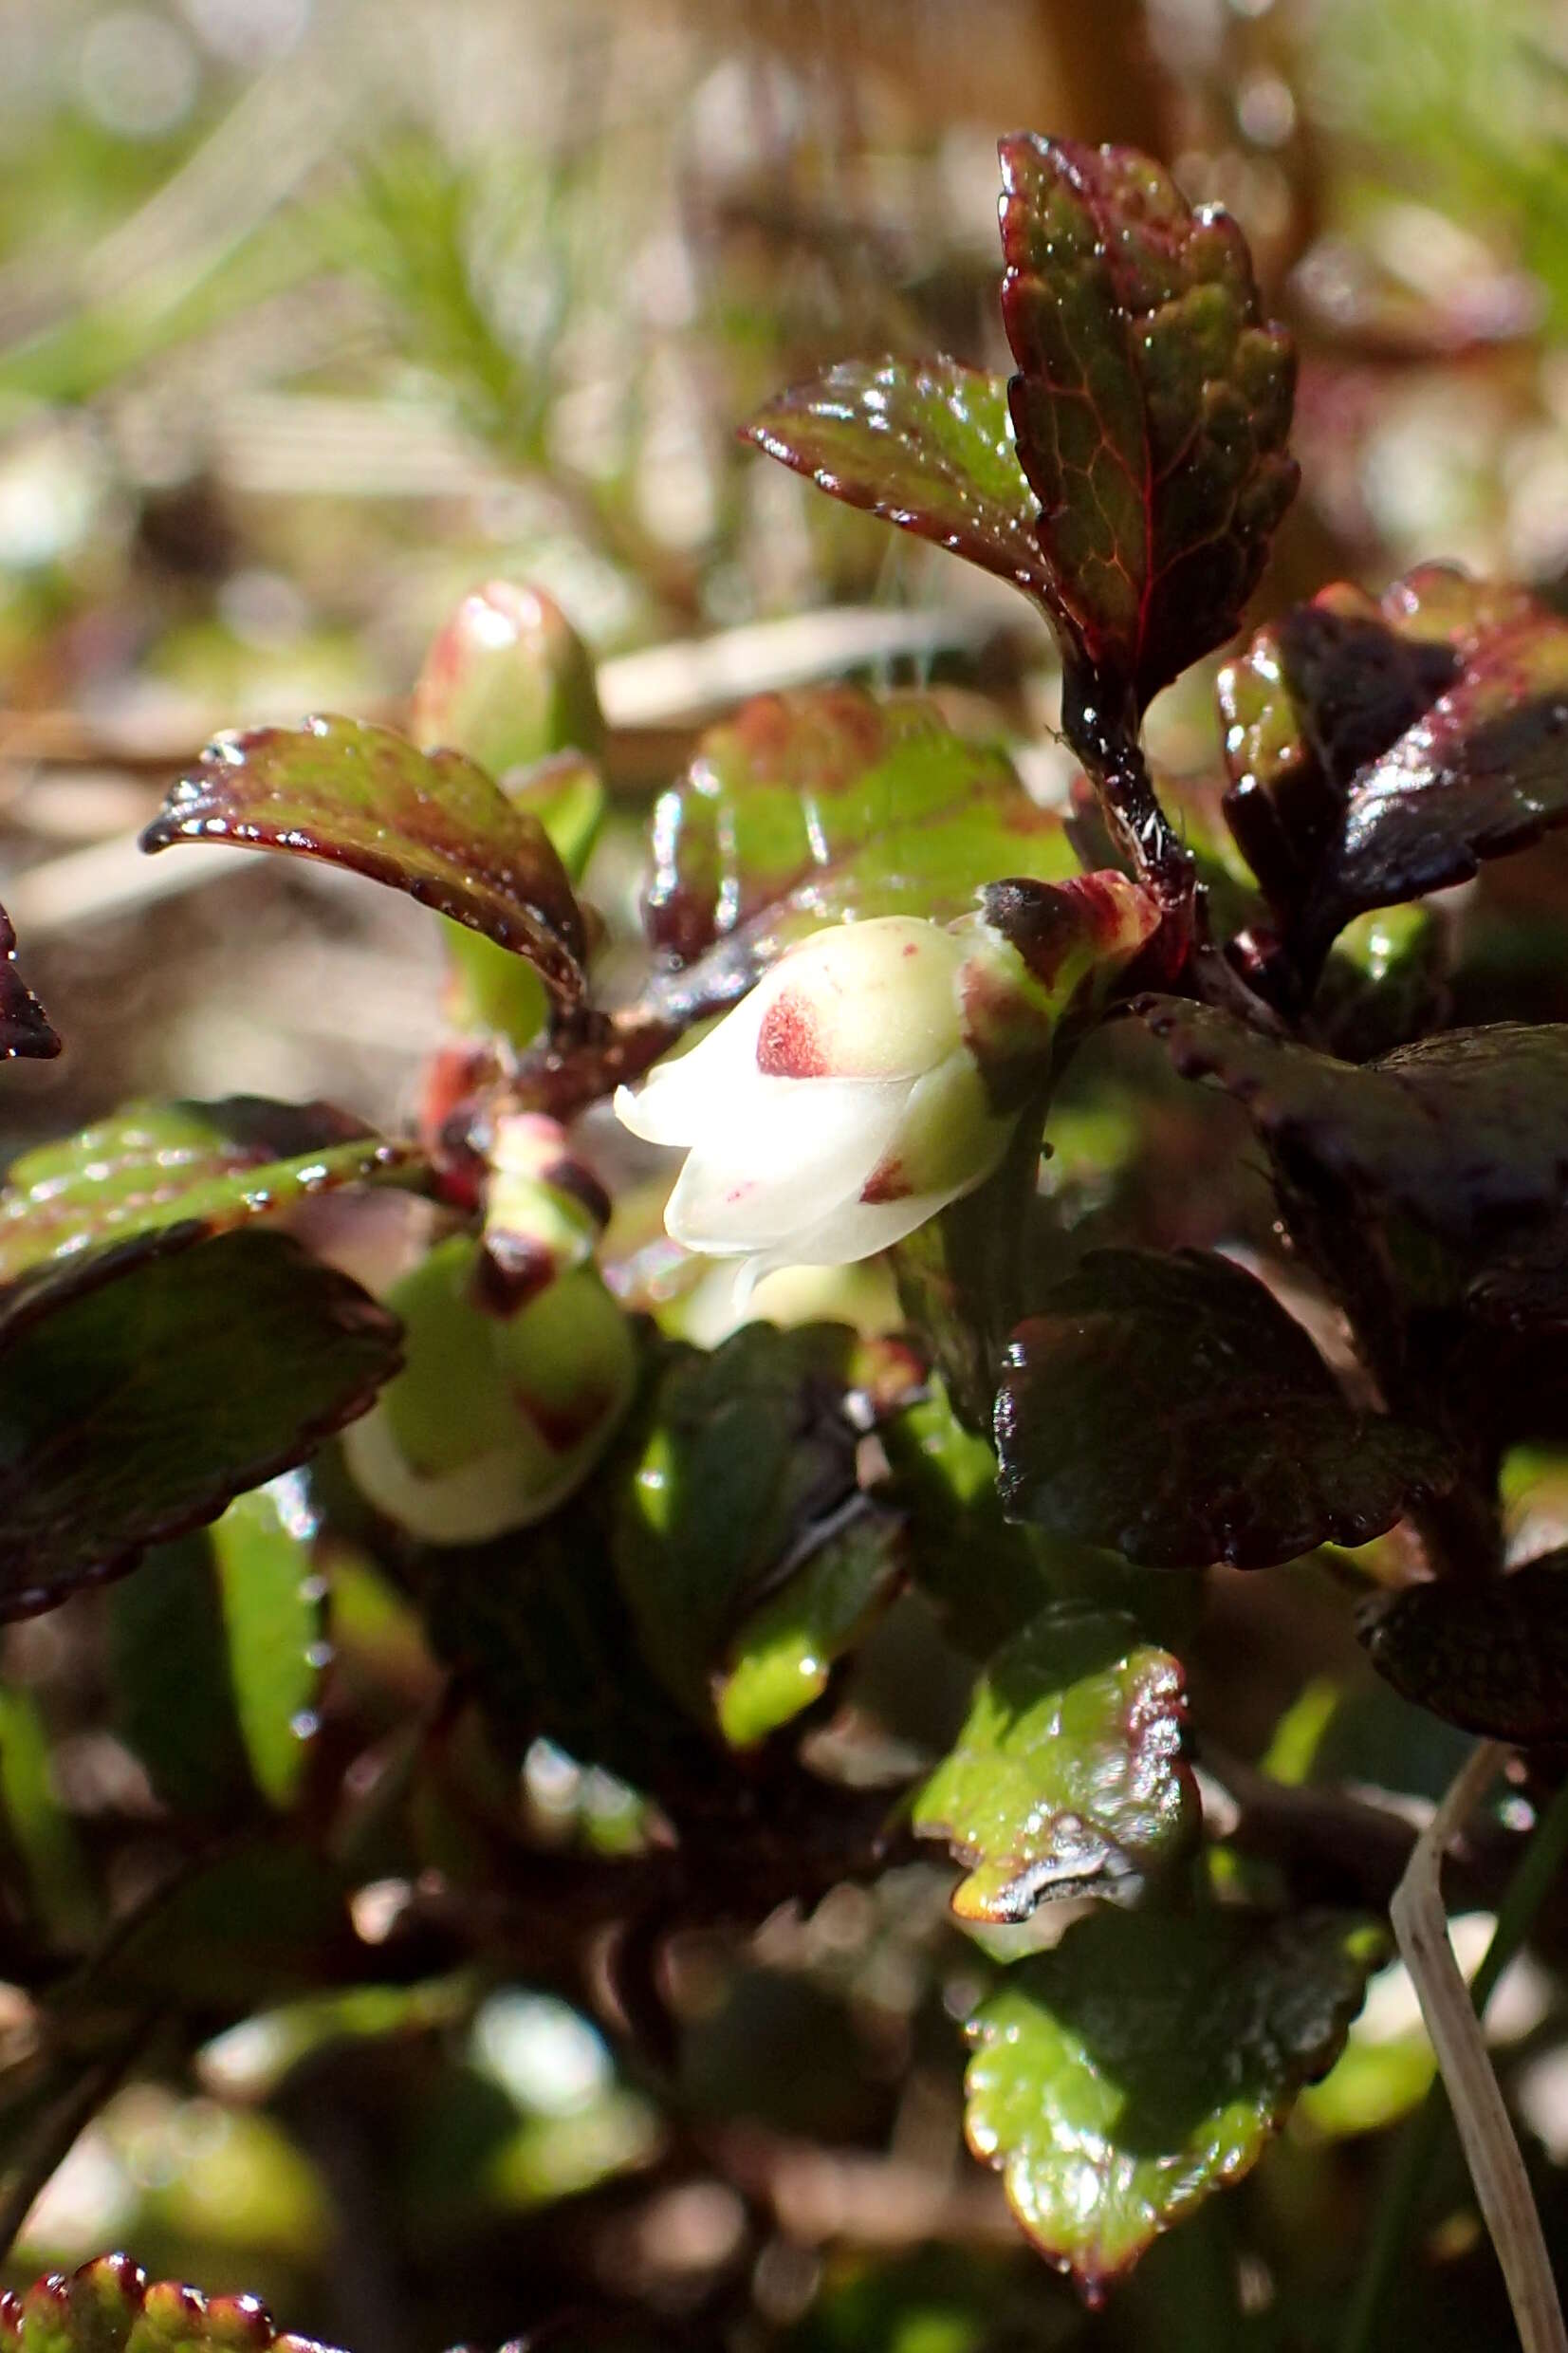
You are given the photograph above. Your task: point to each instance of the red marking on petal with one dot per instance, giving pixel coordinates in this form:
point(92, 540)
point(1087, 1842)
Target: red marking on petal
point(887, 1182)
point(788, 1045)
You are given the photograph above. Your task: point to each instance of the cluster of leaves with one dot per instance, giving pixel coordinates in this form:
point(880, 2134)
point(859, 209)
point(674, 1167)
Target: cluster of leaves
point(1081, 1398)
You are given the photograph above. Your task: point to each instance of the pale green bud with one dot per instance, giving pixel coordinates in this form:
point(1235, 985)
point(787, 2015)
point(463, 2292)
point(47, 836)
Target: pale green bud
point(495, 1417)
point(508, 681)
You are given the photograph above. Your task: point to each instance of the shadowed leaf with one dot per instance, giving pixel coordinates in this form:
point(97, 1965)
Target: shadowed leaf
point(1467, 1130)
point(1491, 1658)
point(554, 1652)
point(747, 1463)
point(431, 824)
point(1384, 984)
point(171, 1700)
point(1121, 2079)
point(1151, 407)
point(1068, 1777)
point(980, 1573)
point(162, 1164)
point(143, 1388)
point(25, 1033)
point(808, 807)
point(1168, 1408)
point(1378, 750)
point(259, 1921)
point(110, 2307)
point(925, 444)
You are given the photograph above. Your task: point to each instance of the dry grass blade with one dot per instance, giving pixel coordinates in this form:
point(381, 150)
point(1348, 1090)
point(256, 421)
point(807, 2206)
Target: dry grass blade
point(1492, 2149)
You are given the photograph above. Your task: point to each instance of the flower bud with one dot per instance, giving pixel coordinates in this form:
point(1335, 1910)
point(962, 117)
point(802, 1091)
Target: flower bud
point(874, 1073)
point(496, 1416)
point(508, 681)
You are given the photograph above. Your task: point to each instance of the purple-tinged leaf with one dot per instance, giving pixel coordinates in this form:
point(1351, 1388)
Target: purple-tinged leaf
point(429, 823)
point(1491, 1656)
point(1150, 408)
point(1120, 2079)
point(925, 444)
point(215, 1165)
point(26, 1033)
point(808, 809)
point(1069, 1776)
point(1169, 1409)
point(1381, 750)
point(142, 1387)
point(1465, 1131)
point(110, 2307)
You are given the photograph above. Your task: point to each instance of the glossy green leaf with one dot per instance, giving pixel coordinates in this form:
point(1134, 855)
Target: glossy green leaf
point(1164, 1406)
point(151, 1165)
point(1491, 1656)
point(363, 797)
point(110, 2307)
point(216, 1652)
point(1467, 1131)
point(781, 1657)
point(1069, 1777)
point(1378, 750)
point(130, 1412)
point(1119, 2080)
point(274, 1617)
point(747, 1463)
point(1384, 983)
point(1151, 406)
point(25, 1033)
point(925, 444)
point(809, 808)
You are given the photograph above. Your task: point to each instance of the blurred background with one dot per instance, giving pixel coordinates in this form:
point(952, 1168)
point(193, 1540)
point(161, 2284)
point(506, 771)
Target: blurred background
point(315, 313)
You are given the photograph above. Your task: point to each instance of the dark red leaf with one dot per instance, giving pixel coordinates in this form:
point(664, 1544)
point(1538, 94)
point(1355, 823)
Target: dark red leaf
point(25, 1029)
point(1380, 750)
point(1167, 1407)
point(1491, 1657)
point(431, 824)
point(142, 1387)
point(1467, 1131)
point(1151, 407)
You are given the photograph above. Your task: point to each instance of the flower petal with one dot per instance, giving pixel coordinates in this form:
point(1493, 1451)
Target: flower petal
point(949, 1137)
point(695, 1091)
point(856, 1230)
point(789, 1151)
point(878, 999)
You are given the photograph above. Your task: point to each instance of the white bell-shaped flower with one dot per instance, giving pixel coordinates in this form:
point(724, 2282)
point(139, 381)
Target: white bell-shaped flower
point(836, 1108)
